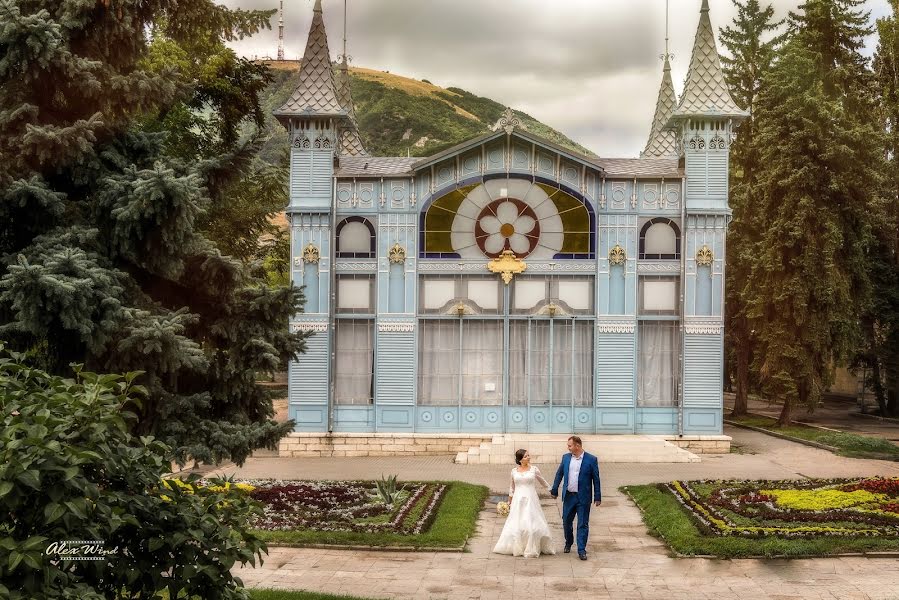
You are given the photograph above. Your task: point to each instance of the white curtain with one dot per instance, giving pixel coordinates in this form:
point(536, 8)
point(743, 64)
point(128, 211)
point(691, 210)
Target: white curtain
point(658, 364)
point(355, 354)
point(438, 362)
point(482, 363)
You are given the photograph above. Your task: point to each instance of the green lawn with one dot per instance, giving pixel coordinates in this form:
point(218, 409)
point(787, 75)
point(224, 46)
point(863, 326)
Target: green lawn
point(667, 519)
point(454, 524)
point(287, 595)
point(847, 444)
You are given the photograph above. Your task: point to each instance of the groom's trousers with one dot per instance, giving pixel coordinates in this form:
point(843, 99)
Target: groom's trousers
point(572, 506)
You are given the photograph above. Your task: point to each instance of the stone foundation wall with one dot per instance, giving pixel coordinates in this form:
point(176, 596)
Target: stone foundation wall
point(377, 444)
point(702, 444)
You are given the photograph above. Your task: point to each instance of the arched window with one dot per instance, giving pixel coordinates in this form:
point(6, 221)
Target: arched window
point(660, 240)
point(355, 238)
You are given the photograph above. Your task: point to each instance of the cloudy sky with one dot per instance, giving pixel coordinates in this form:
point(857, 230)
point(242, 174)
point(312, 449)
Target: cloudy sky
point(589, 68)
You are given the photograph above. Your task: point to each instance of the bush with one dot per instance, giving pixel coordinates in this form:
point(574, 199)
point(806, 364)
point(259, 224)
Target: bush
point(69, 470)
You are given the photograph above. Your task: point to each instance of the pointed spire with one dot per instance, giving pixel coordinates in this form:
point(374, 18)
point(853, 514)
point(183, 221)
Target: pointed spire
point(663, 142)
point(705, 92)
point(350, 141)
point(316, 95)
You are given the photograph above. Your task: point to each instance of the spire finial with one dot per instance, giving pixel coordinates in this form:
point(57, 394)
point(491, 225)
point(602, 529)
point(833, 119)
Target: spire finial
point(318, 6)
point(705, 6)
point(667, 56)
point(281, 32)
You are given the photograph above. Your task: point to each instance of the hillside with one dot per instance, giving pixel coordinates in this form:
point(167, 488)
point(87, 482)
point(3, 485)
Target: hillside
point(398, 115)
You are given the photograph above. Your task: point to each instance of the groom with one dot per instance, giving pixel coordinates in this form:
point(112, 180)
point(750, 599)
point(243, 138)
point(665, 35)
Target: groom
point(580, 472)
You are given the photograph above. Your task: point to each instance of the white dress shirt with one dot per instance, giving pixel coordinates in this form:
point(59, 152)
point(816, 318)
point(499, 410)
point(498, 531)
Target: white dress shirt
point(574, 470)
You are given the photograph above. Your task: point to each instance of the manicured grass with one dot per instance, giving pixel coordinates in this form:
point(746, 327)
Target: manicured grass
point(290, 595)
point(847, 444)
point(667, 519)
point(454, 524)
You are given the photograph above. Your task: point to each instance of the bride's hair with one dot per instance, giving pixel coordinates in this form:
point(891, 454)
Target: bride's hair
point(519, 455)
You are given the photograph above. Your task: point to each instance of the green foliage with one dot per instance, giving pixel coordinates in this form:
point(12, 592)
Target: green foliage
point(126, 241)
point(751, 44)
point(71, 470)
point(387, 489)
point(817, 199)
point(880, 351)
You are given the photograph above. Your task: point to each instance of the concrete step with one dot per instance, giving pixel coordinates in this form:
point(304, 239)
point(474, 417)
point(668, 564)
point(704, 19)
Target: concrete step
point(549, 448)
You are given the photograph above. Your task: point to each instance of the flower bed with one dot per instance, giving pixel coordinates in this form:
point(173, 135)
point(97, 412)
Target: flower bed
point(344, 506)
point(864, 507)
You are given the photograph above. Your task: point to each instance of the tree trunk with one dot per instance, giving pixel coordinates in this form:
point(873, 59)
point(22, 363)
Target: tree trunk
point(879, 391)
point(741, 401)
point(786, 414)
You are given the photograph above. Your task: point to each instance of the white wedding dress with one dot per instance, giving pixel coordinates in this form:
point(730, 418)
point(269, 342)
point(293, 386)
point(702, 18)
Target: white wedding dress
point(526, 532)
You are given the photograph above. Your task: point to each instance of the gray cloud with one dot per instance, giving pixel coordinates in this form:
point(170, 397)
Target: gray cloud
point(589, 68)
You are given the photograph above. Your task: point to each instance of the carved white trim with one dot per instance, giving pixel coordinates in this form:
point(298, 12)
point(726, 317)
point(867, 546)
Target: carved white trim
point(561, 266)
point(356, 266)
point(703, 327)
point(658, 268)
point(306, 326)
point(616, 326)
point(396, 326)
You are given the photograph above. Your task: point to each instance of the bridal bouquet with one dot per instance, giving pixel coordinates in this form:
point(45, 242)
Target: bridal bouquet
point(502, 508)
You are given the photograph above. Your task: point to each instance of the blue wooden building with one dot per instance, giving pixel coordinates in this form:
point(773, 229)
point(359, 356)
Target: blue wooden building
point(509, 284)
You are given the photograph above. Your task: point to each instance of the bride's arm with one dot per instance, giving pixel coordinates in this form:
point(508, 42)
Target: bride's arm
point(511, 484)
point(542, 481)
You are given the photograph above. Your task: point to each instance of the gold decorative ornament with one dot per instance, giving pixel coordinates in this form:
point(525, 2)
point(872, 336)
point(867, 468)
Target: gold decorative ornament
point(507, 265)
point(459, 308)
point(311, 254)
point(617, 255)
point(551, 308)
point(704, 256)
point(397, 254)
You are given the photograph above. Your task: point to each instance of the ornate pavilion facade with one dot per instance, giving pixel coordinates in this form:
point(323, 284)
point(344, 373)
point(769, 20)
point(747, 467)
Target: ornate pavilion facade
point(509, 284)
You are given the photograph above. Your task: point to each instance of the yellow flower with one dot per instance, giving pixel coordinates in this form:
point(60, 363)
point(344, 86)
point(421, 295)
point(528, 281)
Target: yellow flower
point(823, 499)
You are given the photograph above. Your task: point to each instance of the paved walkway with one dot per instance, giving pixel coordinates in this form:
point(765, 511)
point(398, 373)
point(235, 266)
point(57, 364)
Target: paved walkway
point(833, 412)
point(624, 561)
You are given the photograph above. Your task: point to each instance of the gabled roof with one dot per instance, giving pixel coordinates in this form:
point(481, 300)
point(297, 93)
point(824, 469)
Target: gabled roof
point(517, 132)
point(316, 94)
point(375, 166)
point(705, 91)
point(662, 141)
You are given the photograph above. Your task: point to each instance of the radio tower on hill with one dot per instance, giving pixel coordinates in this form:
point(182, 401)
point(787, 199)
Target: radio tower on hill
point(281, 32)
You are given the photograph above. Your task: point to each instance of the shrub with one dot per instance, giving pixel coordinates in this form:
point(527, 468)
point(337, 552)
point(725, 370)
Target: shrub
point(70, 470)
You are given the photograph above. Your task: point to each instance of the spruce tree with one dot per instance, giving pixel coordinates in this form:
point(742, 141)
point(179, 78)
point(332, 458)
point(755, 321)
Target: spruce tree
point(108, 171)
point(880, 352)
point(822, 154)
point(751, 43)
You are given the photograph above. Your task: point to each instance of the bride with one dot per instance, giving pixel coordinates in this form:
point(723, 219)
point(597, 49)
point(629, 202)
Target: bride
point(526, 532)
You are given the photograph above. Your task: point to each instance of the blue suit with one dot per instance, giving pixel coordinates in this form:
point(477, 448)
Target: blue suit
point(578, 504)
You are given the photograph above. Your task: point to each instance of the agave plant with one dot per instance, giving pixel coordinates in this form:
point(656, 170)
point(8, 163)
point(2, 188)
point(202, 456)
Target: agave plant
point(387, 489)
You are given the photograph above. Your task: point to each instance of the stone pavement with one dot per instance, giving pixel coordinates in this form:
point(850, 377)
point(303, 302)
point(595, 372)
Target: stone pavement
point(624, 561)
point(833, 412)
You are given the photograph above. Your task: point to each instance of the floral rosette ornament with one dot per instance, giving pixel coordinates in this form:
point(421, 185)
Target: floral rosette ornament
point(507, 224)
point(502, 509)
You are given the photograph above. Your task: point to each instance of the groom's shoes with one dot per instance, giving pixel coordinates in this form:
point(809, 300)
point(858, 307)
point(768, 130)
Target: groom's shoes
point(567, 548)
point(582, 555)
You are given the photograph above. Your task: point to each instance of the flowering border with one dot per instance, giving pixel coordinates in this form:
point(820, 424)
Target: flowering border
point(342, 506)
point(745, 498)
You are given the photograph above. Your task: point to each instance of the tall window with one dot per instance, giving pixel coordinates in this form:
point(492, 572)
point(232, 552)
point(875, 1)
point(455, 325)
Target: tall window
point(550, 359)
point(354, 339)
point(658, 365)
point(354, 363)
